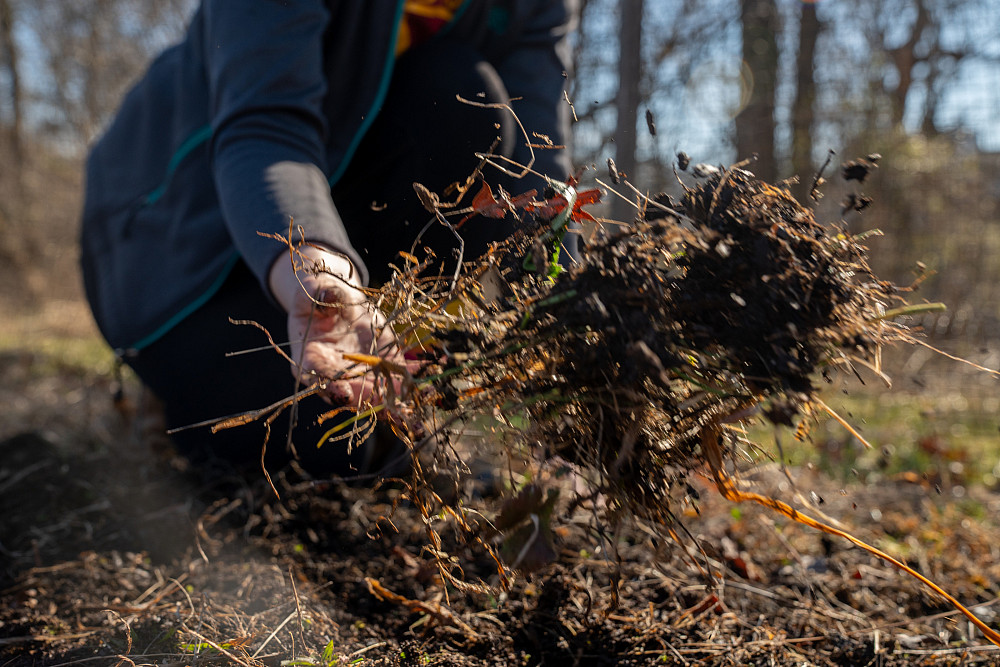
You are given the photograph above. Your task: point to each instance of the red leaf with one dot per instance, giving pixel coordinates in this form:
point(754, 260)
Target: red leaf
point(552, 207)
point(585, 197)
point(484, 203)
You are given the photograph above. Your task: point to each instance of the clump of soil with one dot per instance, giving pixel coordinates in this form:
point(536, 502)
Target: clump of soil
point(698, 316)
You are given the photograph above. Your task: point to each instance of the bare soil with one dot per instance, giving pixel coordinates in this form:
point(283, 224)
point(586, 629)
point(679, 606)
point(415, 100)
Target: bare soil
point(112, 554)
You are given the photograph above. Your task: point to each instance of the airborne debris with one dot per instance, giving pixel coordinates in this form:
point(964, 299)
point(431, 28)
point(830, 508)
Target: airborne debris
point(858, 170)
point(855, 202)
point(613, 172)
point(704, 170)
point(628, 368)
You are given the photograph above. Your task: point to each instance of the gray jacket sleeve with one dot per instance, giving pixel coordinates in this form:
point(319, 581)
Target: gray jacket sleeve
point(536, 72)
point(268, 126)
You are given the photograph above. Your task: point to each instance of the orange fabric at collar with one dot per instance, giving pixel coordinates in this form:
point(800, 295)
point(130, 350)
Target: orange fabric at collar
point(422, 19)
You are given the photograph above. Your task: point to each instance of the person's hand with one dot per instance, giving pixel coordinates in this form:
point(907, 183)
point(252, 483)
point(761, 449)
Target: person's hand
point(329, 316)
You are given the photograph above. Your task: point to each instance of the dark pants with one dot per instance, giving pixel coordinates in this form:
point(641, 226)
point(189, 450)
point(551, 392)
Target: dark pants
point(421, 134)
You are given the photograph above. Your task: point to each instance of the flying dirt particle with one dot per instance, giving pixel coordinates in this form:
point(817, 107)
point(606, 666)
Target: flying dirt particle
point(858, 170)
point(702, 170)
point(613, 172)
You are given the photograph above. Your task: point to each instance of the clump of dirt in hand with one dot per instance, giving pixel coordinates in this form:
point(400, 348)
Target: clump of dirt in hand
point(725, 307)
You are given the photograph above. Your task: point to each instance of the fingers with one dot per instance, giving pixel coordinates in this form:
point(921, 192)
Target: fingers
point(350, 383)
point(349, 348)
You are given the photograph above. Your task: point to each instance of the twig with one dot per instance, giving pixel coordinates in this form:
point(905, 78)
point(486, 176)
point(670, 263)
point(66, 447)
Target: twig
point(274, 633)
point(298, 605)
point(438, 611)
point(496, 105)
point(954, 358)
point(361, 651)
point(122, 658)
point(21, 474)
point(818, 176)
point(843, 422)
point(220, 423)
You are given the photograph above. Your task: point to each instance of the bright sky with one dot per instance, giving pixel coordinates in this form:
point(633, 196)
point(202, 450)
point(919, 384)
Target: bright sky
point(696, 91)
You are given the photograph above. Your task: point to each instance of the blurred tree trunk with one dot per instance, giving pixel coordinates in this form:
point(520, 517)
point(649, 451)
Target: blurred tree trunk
point(12, 238)
point(803, 107)
point(627, 101)
point(905, 59)
point(9, 62)
point(755, 122)
point(940, 72)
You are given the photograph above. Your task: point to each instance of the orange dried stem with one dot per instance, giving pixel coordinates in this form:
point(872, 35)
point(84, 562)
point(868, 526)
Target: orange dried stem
point(728, 490)
point(375, 361)
point(367, 359)
point(733, 494)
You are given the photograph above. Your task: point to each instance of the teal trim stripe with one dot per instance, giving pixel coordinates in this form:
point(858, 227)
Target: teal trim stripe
point(200, 136)
point(383, 90)
point(454, 19)
point(191, 307)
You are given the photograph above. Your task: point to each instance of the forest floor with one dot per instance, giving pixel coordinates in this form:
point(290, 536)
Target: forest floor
point(113, 554)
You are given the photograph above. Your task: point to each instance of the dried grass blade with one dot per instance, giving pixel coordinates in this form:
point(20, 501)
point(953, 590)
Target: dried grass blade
point(438, 611)
point(843, 422)
point(954, 358)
